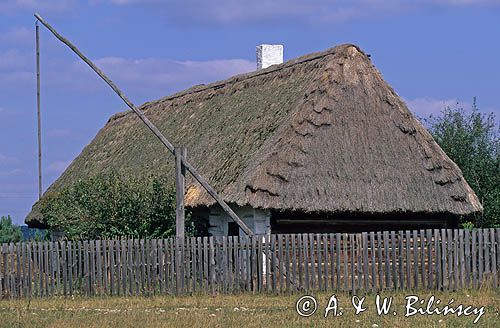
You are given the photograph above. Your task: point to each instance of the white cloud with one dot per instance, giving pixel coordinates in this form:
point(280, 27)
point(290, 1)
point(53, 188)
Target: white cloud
point(59, 133)
point(464, 2)
point(242, 11)
point(20, 35)
point(16, 67)
point(11, 79)
point(126, 2)
point(14, 59)
point(237, 11)
point(10, 173)
point(423, 107)
point(4, 159)
point(10, 6)
point(162, 74)
point(58, 166)
point(148, 77)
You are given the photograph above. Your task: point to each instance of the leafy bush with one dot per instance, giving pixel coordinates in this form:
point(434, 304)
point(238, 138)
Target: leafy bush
point(41, 235)
point(112, 205)
point(472, 141)
point(468, 225)
point(9, 232)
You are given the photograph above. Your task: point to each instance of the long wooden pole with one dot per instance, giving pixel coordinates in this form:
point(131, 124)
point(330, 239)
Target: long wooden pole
point(151, 126)
point(38, 111)
point(180, 178)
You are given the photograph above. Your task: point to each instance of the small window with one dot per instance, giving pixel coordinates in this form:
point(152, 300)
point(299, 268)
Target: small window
point(233, 229)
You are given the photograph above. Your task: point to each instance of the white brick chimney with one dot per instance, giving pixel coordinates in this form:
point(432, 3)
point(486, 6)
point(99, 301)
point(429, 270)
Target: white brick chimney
point(269, 54)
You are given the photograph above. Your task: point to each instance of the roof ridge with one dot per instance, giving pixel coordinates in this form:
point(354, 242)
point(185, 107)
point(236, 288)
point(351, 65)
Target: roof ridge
point(265, 71)
point(242, 77)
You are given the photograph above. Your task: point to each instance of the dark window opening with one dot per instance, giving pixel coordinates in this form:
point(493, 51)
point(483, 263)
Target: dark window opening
point(299, 222)
point(233, 229)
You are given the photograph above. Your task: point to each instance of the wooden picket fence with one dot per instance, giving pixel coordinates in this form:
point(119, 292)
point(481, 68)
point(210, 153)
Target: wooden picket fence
point(424, 259)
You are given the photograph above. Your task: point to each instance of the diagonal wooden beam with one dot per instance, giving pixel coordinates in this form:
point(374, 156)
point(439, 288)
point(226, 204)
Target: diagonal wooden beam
point(151, 127)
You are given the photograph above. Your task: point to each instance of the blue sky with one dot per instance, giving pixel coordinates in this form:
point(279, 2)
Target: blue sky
point(433, 52)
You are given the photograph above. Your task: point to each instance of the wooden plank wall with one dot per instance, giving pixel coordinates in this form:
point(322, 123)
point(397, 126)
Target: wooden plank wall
point(442, 259)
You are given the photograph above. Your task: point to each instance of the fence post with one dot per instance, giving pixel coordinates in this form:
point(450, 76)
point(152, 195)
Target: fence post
point(255, 264)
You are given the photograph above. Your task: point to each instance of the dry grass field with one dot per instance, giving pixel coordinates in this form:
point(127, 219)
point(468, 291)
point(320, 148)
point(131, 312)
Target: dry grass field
point(238, 311)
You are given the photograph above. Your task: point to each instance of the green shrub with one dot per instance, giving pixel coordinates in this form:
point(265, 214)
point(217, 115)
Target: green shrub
point(41, 235)
point(112, 205)
point(468, 225)
point(9, 232)
point(472, 141)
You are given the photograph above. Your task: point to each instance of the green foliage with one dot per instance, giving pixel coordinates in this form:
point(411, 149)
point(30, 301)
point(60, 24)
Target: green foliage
point(9, 232)
point(468, 225)
point(471, 140)
point(112, 205)
point(41, 235)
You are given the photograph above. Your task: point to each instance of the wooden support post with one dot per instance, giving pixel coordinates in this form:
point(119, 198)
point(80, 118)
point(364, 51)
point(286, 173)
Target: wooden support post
point(180, 178)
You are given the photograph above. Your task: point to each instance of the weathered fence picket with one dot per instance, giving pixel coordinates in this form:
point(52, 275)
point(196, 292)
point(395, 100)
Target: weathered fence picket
point(417, 259)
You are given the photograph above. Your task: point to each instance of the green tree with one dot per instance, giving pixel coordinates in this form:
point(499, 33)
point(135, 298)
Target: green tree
point(471, 140)
point(9, 232)
point(112, 205)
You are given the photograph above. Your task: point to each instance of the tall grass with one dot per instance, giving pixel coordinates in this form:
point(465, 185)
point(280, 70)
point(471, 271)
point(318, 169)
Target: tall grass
point(236, 311)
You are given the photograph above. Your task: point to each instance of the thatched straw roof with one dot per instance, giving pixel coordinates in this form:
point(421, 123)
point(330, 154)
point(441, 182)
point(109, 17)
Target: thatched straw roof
point(323, 132)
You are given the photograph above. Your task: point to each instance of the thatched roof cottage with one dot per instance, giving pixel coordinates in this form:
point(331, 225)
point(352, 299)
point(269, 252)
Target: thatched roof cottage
point(319, 143)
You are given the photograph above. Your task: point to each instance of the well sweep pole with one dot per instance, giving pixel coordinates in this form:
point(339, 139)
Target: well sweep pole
point(151, 126)
point(38, 110)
